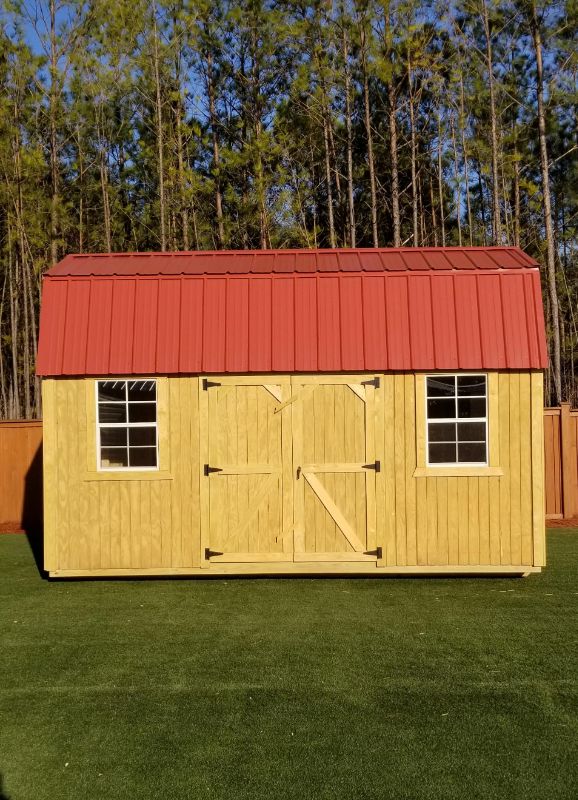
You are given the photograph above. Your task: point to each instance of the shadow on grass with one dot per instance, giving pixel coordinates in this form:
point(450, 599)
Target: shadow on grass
point(3, 795)
point(32, 512)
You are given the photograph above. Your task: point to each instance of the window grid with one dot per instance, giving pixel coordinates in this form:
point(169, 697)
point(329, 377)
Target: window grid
point(456, 420)
point(129, 450)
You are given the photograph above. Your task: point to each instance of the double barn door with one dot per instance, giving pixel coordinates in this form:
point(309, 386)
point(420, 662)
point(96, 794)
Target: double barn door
point(288, 468)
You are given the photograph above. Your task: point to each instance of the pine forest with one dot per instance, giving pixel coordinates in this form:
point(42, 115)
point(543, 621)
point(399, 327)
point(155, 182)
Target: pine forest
point(187, 124)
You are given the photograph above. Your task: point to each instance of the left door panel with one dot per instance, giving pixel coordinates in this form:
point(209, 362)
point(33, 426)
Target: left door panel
point(242, 475)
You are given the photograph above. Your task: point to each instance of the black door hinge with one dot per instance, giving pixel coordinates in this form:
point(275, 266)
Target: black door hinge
point(378, 552)
point(376, 466)
point(209, 553)
point(207, 384)
point(372, 382)
point(207, 470)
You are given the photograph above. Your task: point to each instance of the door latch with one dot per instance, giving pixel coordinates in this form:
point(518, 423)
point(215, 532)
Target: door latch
point(298, 472)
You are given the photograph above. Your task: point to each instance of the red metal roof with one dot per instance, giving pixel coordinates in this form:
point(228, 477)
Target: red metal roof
point(253, 262)
point(101, 316)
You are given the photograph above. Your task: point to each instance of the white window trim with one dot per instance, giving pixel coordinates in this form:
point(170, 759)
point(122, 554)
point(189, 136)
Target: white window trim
point(456, 464)
point(127, 425)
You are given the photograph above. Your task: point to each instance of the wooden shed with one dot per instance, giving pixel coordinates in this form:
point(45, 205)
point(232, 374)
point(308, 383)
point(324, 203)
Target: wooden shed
point(373, 411)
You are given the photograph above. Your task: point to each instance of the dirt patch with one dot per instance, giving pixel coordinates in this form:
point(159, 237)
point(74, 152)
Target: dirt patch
point(11, 527)
point(562, 523)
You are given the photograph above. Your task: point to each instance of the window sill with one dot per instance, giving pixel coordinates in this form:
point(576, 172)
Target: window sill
point(458, 472)
point(128, 475)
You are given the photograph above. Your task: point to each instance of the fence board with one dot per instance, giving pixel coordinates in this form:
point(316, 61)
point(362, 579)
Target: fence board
point(20, 474)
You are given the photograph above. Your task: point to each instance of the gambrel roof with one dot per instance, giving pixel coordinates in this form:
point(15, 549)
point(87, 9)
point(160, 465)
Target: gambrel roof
point(292, 311)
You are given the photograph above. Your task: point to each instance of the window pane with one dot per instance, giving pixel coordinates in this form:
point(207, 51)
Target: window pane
point(142, 390)
point(142, 437)
point(142, 412)
point(471, 452)
point(444, 386)
point(442, 432)
point(472, 384)
point(112, 390)
point(472, 431)
point(113, 437)
point(113, 457)
point(441, 408)
point(442, 453)
point(112, 412)
point(143, 456)
point(471, 407)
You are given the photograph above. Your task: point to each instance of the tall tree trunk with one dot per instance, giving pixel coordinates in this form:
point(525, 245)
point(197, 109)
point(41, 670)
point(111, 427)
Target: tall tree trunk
point(349, 133)
point(457, 180)
point(159, 131)
point(466, 160)
point(369, 134)
point(330, 217)
point(547, 203)
point(413, 152)
point(52, 103)
point(216, 150)
point(395, 216)
point(441, 182)
point(496, 222)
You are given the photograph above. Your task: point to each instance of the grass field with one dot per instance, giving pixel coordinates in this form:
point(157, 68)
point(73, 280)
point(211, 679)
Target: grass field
point(300, 688)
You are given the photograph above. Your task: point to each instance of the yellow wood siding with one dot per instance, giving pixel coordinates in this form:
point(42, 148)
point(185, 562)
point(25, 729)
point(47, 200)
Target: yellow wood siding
point(161, 522)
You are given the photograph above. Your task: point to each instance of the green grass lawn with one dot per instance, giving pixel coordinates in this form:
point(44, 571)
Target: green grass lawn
point(300, 688)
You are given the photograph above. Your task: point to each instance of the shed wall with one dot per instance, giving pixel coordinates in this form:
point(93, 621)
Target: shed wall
point(107, 523)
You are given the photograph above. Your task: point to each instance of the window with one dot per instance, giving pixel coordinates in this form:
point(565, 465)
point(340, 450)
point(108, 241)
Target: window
point(127, 425)
point(457, 426)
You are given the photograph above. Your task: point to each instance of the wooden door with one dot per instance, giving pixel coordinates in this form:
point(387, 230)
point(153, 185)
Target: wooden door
point(334, 466)
point(246, 500)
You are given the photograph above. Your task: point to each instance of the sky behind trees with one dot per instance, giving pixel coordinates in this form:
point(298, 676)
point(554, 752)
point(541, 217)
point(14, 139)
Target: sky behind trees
point(132, 125)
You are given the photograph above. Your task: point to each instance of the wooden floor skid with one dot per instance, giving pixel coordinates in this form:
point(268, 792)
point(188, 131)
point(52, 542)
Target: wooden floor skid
point(299, 568)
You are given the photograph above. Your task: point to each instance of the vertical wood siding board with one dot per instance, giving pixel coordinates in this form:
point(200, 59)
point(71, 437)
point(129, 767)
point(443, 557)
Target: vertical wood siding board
point(409, 467)
point(505, 499)
point(350, 303)
point(442, 520)
point(83, 521)
point(62, 445)
point(474, 521)
point(135, 524)
point(99, 327)
point(192, 517)
point(484, 520)
point(104, 523)
point(526, 468)
point(260, 323)
point(515, 468)
point(420, 322)
point(444, 322)
point(421, 488)
point(203, 483)
point(126, 531)
point(178, 445)
point(237, 325)
point(538, 501)
point(75, 340)
point(381, 508)
point(432, 526)
point(399, 440)
point(463, 522)
point(169, 322)
point(374, 322)
point(122, 327)
point(306, 305)
point(165, 523)
point(50, 465)
point(453, 530)
point(283, 327)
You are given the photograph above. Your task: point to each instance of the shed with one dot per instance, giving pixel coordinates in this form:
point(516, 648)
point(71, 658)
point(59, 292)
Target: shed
point(373, 411)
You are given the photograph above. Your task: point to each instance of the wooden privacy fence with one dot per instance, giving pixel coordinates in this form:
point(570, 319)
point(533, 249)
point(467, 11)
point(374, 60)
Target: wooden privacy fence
point(561, 461)
point(20, 474)
point(21, 468)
